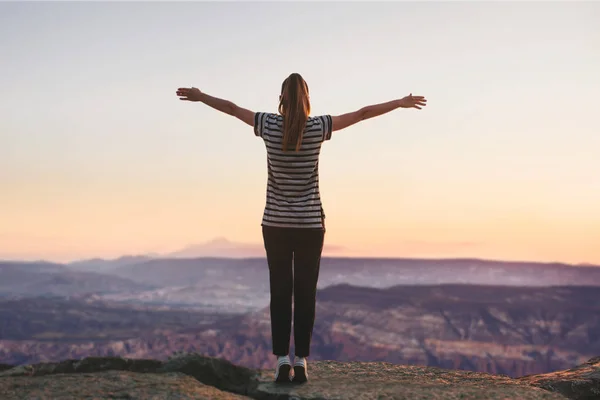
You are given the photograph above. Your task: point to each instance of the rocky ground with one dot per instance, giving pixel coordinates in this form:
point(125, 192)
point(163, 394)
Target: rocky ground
point(192, 376)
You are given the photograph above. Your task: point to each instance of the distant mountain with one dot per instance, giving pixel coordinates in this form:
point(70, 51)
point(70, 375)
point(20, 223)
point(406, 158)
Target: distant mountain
point(375, 272)
point(102, 265)
point(165, 272)
point(32, 266)
point(496, 329)
point(242, 284)
point(236, 285)
point(46, 279)
point(219, 247)
point(222, 247)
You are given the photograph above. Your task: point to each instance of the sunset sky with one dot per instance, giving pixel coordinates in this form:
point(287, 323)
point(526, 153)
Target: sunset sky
point(98, 157)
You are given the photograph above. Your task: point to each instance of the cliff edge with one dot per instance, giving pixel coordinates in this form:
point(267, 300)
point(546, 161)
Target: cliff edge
point(192, 376)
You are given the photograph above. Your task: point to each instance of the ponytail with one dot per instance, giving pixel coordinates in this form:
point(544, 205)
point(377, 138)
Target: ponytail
point(294, 106)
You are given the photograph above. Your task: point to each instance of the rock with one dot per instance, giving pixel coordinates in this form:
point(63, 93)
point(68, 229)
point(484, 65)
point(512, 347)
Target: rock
point(216, 372)
point(4, 367)
point(111, 385)
point(377, 380)
point(581, 382)
point(188, 376)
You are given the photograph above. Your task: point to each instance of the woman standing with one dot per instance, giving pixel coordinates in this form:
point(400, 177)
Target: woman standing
point(293, 223)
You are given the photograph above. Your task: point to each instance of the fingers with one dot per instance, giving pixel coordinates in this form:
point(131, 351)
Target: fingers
point(183, 91)
point(418, 101)
point(183, 94)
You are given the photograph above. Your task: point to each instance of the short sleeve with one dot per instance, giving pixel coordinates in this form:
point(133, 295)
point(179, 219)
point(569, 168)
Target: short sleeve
point(326, 123)
point(260, 119)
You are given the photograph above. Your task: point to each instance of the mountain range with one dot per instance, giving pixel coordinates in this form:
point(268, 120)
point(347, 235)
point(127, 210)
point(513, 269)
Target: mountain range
point(491, 316)
point(242, 285)
point(497, 329)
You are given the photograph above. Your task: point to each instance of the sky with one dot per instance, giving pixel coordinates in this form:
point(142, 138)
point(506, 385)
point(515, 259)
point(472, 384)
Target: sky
point(99, 158)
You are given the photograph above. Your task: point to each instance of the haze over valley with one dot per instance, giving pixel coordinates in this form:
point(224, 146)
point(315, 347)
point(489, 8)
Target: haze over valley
point(502, 317)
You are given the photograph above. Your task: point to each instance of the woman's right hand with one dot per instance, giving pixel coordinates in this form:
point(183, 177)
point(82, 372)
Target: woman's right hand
point(411, 101)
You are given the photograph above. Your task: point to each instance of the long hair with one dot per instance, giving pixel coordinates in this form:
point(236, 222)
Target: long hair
point(294, 106)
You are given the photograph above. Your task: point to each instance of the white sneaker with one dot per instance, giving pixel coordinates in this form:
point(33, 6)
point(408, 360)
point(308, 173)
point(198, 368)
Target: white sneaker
point(300, 370)
point(282, 371)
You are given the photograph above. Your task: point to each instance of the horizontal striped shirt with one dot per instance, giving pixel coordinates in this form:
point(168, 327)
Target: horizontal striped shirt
point(293, 198)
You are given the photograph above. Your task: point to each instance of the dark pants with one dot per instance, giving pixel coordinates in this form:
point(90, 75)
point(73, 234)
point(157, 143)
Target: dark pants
point(303, 247)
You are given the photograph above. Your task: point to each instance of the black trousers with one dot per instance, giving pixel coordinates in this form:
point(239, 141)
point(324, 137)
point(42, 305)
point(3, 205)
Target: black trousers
point(301, 247)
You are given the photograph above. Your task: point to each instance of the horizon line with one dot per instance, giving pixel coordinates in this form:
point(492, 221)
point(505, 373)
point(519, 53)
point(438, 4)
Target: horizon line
point(167, 257)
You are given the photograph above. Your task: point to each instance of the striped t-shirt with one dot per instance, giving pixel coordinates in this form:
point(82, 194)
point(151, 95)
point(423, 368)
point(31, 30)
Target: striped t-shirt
point(293, 198)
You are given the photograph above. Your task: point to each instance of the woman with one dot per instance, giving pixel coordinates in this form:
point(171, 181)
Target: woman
point(293, 223)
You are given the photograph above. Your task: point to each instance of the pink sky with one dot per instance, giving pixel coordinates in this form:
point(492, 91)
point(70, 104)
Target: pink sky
point(99, 158)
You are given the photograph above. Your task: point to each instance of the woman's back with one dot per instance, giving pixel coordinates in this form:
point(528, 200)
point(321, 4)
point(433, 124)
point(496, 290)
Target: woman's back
point(293, 140)
point(293, 197)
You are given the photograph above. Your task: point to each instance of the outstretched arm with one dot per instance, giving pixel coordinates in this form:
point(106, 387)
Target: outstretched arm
point(226, 106)
point(346, 120)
